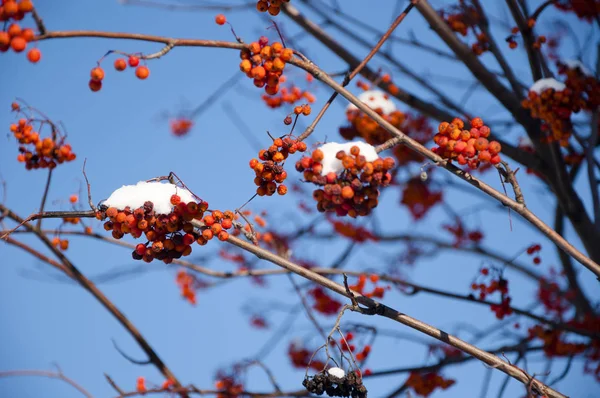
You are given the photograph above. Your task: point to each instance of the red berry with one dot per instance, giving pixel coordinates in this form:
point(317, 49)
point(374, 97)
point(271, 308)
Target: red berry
point(133, 61)
point(220, 19)
point(142, 72)
point(120, 64)
point(175, 199)
point(34, 55)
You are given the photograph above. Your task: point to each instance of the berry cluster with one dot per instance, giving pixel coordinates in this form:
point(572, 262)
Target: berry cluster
point(586, 10)
point(186, 283)
point(324, 303)
point(15, 37)
point(496, 284)
point(170, 236)
point(554, 345)
point(514, 33)
point(532, 250)
point(301, 358)
point(358, 234)
point(37, 152)
point(62, 244)
point(97, 74)
point(140, 385)
point(424, 384)
point(348, 386)
point(378, 291)
point(463, 18)
point(355, 190)
point(269, 171)
point(287, 95)
point(419, 197)
point(273, 7)
point(467, 147)
point(229, 386)
point(585, 88)
point(265, 63)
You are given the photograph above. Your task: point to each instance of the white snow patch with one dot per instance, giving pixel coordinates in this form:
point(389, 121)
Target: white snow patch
point(337, 372)
point(545, 84)
point(158, 193)
point(574, 64)
point(375, 99)
point(332, 164)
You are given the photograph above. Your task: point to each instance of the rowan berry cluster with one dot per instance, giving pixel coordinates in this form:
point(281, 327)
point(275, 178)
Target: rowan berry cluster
point(273, 7)
point(554, 345)
point(467, 147)
point(419, 197)
point(532, 250)
point(186, 284)
point(268, 168)
point(287, 95)
point(554, 107)
point(495, 283)
point(181, 126)
point(555, 300)
point(585, 88)
point(97, 73)
point(355, 190)
point(378, 291)
point(324, 303)
point(265, 63)
point(169, 236)
point(14, 36)
point(586, 10)
point(301, 358)
point(230, 388)
point(37, 152)
point(358, 234)
point(324, 382)
point(464, 18)
point(424, 384)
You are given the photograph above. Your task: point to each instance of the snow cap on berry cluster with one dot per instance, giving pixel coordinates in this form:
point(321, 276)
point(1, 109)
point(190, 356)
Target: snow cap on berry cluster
point(545, 84)
point(337, 372)
point(574, 64)
point(375, 99)
point(332, 164)
point(158, 193)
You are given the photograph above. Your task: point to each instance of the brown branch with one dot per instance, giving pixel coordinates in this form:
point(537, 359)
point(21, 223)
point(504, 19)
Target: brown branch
point(45, 196)
point(45, 373)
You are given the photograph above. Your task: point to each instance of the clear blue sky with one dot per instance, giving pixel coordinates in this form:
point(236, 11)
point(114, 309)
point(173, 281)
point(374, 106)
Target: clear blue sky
point(123, 132)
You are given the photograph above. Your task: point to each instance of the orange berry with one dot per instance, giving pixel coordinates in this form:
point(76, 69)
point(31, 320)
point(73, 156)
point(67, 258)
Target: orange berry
point(374, 278)
point(494, 147)
point(282, 189)
point(142, 72)
point(120, 64)
point(34, 55)
point(477, 122)
point(262, 6)
point(223, 235)
point(306, 110)
point(220, 19)
point(286, 54)
point(254, 47)
point(25, 6)
point(317, 155)
point(4, 39)
point(28, 34)
point(18, 44)
point(207, 234)
point(245, 66)
point(64, 244)
point(273, 10)
point(14, 30)
point(258, 72)
point(10, 8)
point(347, 192)
point(73, 198)
point(97, 74)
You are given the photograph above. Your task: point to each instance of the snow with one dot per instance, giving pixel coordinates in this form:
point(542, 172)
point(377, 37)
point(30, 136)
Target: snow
point(574, 64)
point(337, 372)
point(545, 84)
point(375, 99)
point(332, 164)
point(158, 193)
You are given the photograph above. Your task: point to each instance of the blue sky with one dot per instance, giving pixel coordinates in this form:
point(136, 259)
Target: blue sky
point(124, 134)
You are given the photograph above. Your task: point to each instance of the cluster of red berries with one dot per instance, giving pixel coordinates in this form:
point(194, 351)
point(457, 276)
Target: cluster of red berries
point(186, 284)
point(588, 10)
point(514, 33)
point(324, 303)
point(287, 95)
point(554, 108)
point(181, 126)
point(273, 7)
point(532, 250)
point(265, 63)
point(356, 233)
point(467, 147)
point(301, 358)
point(303, 109)
point(554, 345)
point(229, 386)
point(378, 291)
point(355, 190)
point(170, 236)
point(97, 74)
point(347, 346)
point(555, 300)
point(585, 88)
point(15, 37)
point(419, 197)
point(43, 152)
point(463, 18)
point(270, 174)
point(496, 283)
point(424, 384)
point(362, 126)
